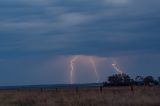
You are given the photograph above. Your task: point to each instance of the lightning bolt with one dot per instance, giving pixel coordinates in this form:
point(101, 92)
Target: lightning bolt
point(117, 68)
point(72, 68)
point(92, 61)
point(94, 68)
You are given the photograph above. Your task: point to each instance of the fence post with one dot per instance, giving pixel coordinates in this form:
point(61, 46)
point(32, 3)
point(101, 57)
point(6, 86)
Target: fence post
point(76, 89)
point(131, 86)
point(56, 89)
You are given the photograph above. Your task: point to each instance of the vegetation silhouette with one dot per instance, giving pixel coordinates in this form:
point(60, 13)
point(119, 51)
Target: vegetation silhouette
point(125, 80)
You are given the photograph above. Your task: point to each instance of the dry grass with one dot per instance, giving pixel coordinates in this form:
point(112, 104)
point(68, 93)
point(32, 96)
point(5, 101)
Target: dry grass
point(114, 96)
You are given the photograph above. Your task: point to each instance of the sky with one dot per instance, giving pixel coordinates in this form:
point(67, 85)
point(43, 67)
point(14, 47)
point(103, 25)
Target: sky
point(39, 38)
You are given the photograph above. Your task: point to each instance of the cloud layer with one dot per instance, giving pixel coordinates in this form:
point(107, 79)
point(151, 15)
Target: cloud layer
point(93, 27)
point(34, 34)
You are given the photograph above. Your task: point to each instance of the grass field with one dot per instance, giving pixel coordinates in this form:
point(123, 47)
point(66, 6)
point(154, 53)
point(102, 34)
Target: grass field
point(113, 96)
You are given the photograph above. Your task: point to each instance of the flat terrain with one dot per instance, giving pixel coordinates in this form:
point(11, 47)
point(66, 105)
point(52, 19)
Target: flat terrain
point(110, 96)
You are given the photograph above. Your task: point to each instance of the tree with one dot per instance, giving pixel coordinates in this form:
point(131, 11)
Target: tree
point(159, 80)
point(126, 78)
point(119, 79)
point(148, 80)
point(115, 79)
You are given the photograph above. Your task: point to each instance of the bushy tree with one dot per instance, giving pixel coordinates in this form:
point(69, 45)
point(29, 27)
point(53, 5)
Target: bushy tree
point(119, 79)
point(159, 80)
point(149, 80)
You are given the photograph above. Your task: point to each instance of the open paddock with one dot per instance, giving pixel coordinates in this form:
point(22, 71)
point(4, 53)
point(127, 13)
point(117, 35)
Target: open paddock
point(109, 96)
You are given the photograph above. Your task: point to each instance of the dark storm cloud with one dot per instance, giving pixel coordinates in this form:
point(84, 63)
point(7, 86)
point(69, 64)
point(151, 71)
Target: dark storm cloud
point(105, 27)
point(36, 34)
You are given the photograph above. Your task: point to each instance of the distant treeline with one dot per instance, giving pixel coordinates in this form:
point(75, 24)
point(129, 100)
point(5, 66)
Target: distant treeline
point(125, 80)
